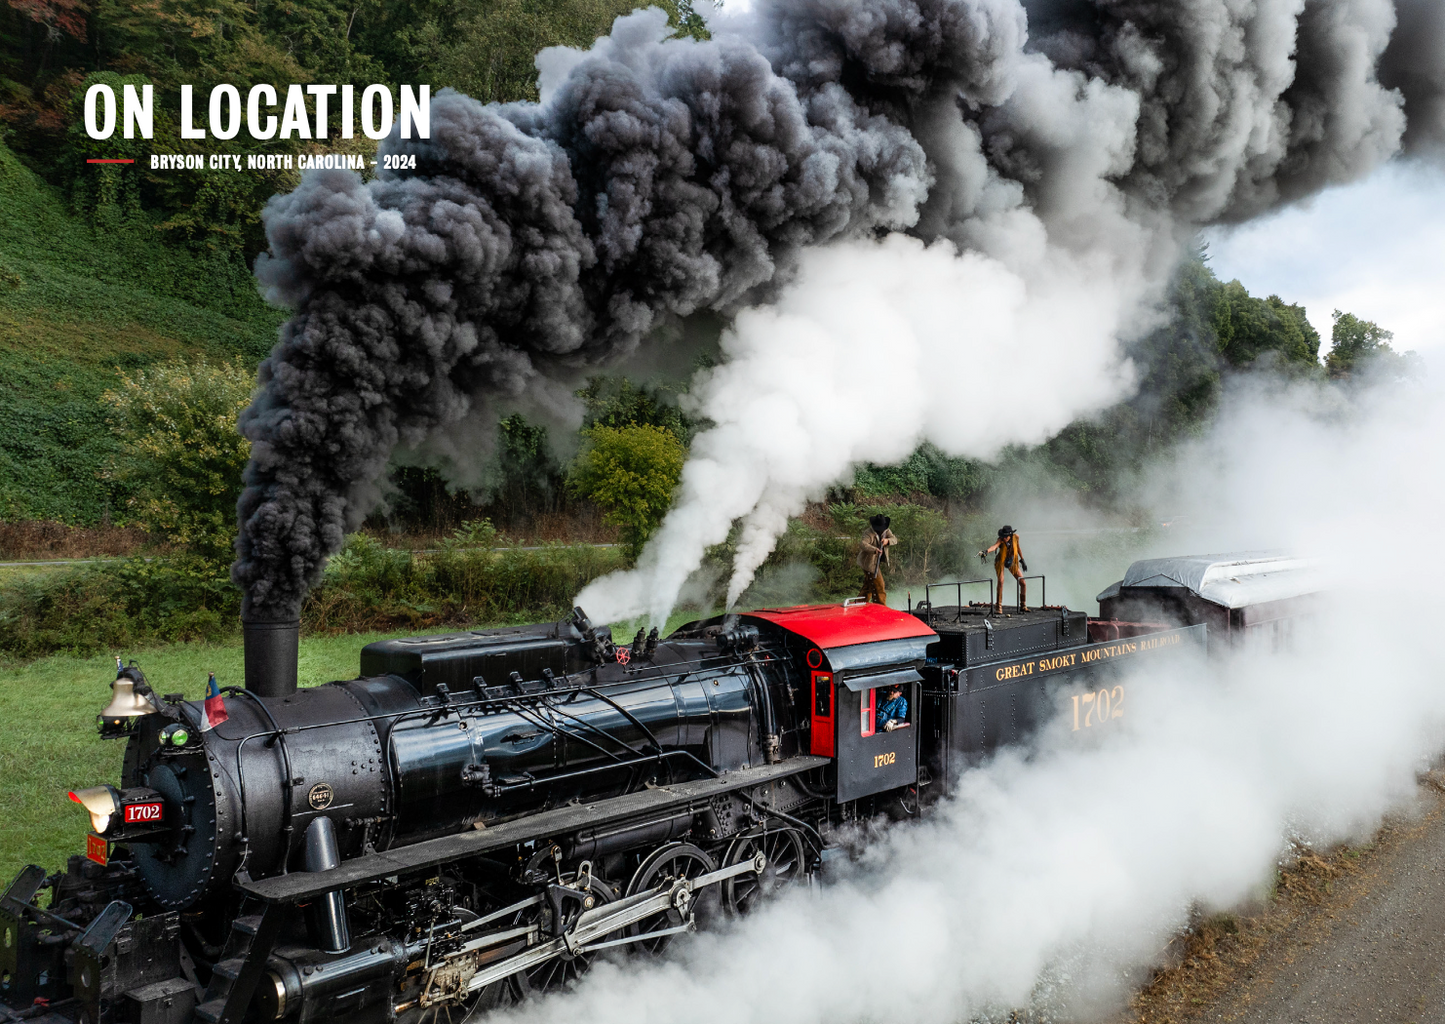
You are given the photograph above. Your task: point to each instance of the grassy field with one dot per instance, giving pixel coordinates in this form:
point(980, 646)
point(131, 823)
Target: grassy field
point(49, 745)
point(48, 740)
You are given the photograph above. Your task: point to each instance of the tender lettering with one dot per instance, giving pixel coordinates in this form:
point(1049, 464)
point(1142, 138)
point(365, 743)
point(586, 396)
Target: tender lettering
point(1098, 707)
point(1025, 668)
point(1109, 651)
point(1087, 656)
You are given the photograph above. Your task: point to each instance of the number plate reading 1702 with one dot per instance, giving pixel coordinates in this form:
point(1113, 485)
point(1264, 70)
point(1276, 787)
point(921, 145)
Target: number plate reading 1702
point(1091, 709)
point(137, 813)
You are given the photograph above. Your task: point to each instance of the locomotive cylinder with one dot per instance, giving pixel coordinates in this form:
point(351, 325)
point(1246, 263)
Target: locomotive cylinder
point(322, 855)
point(271, 650)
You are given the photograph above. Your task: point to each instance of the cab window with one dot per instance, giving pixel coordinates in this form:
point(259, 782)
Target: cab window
point(882, 706)
point(877, 708)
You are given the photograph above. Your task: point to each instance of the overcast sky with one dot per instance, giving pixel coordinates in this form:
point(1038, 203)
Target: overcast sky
point(1375, 249)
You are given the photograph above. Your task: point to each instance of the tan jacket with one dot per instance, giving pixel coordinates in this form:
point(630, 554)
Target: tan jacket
point(872, 548)
point(1009, 552)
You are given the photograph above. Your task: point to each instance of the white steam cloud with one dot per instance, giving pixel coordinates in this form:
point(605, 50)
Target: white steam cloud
point(1071, 147)
point(875, 347)
point(1055, 879)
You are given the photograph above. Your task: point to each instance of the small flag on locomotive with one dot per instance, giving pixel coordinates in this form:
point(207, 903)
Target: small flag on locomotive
point(215, 706)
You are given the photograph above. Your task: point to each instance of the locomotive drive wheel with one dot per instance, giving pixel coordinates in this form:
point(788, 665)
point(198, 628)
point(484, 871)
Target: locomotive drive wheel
point(787, 865)
point(671, 862)
point(507, 992)
point(559, 971)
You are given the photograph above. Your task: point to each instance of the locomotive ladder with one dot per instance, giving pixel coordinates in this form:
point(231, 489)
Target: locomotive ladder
point(243, 959)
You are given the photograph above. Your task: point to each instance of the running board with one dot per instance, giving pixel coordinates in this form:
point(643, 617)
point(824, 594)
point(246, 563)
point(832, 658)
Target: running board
point(299, 886)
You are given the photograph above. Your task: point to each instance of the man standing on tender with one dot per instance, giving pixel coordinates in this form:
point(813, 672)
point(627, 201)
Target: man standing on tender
point(1010, 557)
point(873, 556)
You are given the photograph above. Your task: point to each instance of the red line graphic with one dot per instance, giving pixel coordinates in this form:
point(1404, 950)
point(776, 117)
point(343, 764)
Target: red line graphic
point(110, 161)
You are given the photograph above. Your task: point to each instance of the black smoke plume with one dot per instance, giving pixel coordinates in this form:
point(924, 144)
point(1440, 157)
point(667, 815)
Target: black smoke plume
point(658, 177)
point(1414, 64)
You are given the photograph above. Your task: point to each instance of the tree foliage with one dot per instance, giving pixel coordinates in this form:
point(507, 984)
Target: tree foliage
point(631, 472)
point(617, 401)
point(1360, 346)
point(55, 16)
point(1248, 329)
point(180, 448)
point(491, 52)
point(52, 51)
point(529, 477)
point(927, 471)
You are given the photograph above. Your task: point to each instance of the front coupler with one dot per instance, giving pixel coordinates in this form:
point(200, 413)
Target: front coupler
point(86, 954)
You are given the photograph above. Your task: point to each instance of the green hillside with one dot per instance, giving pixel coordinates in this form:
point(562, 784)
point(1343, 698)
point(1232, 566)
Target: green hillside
point(105, 266)
point(77, 303)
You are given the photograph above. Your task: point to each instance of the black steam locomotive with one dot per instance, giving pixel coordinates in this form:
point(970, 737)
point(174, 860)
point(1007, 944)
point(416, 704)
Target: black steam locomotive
point(478, 815)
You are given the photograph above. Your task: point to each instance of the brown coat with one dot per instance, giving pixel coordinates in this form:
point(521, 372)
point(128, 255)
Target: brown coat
point(872, 549)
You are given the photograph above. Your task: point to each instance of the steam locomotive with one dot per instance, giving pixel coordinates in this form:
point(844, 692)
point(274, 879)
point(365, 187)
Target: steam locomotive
point(478, 815)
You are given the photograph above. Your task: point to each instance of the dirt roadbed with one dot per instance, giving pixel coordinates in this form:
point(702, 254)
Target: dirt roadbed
point(1356, 935)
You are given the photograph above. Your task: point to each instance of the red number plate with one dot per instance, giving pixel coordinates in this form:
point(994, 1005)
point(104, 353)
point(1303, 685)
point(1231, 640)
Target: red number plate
point(97, 849)
point(135, 813)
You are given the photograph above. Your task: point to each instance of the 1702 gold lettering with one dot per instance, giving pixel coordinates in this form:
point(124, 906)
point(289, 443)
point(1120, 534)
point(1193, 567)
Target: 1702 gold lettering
point(1099, 707)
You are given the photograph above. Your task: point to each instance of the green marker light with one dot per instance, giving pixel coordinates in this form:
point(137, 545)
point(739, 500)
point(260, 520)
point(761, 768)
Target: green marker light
point(175, 734)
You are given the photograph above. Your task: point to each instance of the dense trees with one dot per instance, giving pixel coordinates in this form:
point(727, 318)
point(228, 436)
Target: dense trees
point(1361, 347)
point(631, 472)
point(181, 452)
point(52, 50)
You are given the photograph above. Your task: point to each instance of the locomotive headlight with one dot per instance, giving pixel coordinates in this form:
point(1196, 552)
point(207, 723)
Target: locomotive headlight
point(103, 803)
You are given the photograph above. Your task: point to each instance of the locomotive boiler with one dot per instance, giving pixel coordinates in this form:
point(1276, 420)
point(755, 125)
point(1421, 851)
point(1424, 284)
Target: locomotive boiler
point(478, 815)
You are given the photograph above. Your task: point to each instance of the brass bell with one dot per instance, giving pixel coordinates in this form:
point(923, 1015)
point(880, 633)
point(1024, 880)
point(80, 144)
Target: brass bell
point(124, 708)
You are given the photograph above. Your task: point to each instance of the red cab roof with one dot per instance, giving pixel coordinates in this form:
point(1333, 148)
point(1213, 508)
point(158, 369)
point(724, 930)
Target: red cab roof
point(836, 625)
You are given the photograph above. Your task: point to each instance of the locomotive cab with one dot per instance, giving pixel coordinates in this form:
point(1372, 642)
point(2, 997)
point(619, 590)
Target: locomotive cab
point(871, 759)
point(854, 655)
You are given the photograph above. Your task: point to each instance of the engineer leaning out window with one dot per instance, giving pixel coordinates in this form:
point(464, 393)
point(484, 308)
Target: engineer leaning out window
point(893, 712)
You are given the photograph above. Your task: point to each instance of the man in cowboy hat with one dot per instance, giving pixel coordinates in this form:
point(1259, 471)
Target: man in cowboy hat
point(873, 556)
point(1010, 557)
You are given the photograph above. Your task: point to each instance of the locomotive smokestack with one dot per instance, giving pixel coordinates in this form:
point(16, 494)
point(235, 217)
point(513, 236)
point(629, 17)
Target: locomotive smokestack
point(271, 653)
